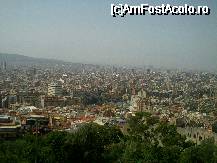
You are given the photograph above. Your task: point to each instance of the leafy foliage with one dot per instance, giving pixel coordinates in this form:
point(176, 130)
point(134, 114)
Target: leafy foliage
point(146, 140)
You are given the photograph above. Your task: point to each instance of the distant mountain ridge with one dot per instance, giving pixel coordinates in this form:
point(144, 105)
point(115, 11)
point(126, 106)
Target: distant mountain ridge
point(17, 59)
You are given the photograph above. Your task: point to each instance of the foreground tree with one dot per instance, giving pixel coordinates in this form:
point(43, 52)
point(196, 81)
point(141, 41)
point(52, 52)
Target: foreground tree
point(204, 153)
point(145, 140)
point(90, 142)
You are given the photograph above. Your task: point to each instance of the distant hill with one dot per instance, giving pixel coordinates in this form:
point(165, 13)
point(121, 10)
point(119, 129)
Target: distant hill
point(16, 59)
point(21, 60)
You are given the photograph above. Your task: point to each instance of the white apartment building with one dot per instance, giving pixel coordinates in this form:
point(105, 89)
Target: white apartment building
point(55, 89)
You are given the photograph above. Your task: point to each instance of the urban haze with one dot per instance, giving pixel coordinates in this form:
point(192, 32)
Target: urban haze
point(85, 32)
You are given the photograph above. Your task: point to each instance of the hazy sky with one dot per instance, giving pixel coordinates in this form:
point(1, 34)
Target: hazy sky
point(84, 31)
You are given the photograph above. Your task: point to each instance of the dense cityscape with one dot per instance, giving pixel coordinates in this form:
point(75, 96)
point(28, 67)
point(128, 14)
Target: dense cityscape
point(108, 81)
point(64, 97)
